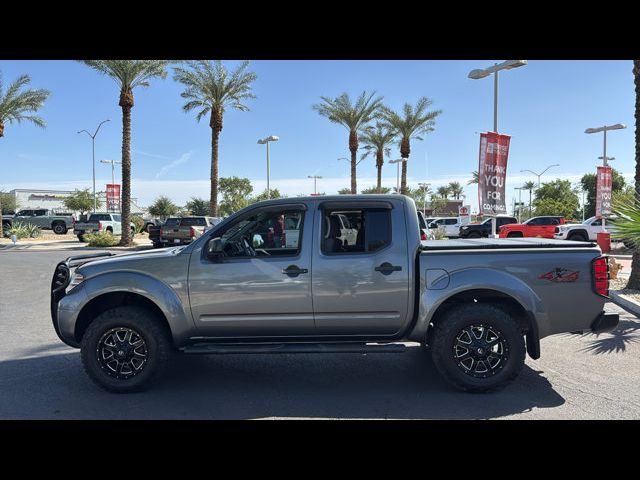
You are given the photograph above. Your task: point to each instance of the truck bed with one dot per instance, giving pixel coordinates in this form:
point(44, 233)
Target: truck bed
point(501, 243)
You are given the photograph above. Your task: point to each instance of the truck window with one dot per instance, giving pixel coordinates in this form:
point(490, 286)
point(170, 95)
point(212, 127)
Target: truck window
point(267, 232)
point(370, 230)
point(171, 222)
point(40, 213)
point(116, 218)
point(193, 222)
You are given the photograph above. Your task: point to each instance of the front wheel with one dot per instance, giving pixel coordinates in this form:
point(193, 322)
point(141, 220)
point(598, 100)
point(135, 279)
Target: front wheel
point(124, 349)
point(478, 347)
point(474, 235)
point(578, 237)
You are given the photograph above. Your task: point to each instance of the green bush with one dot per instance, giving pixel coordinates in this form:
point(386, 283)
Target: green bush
point(101, 239)
point(138, 221)
point(23, 230)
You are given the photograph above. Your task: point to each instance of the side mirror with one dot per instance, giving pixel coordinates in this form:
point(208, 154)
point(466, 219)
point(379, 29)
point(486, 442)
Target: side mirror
point(215, 248)
point(433, 225)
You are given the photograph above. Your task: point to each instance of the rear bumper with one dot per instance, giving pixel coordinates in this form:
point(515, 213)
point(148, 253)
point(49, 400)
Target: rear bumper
point(605, 322)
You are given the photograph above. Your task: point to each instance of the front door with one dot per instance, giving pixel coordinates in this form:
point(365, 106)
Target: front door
point(360, 288)
point(260, 283)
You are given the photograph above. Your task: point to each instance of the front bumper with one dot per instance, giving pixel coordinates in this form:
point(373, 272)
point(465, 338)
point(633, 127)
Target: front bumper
point(605, 322)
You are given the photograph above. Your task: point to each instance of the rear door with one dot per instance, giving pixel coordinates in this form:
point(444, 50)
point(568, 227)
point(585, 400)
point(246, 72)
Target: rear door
point(360, 289)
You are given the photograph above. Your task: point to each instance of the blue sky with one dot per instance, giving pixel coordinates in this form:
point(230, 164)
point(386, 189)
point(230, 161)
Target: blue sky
point(545, 106)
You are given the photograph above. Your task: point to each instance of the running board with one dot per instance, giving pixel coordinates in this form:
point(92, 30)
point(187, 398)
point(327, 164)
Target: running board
point(218, 348)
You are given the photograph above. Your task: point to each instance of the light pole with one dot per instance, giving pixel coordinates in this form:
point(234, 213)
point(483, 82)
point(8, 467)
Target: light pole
point(606, 160)
point(519, 201)
point(485, 72)
point(315, 178)
point(425, 187)
point(540, 174)
point(93, 145)
point(271, 138)
point(113, 173)
point(605, 129)
point(113, 163)
point(398, 176)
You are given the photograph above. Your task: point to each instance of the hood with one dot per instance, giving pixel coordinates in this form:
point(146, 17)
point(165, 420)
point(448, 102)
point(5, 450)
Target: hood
point(130, 260)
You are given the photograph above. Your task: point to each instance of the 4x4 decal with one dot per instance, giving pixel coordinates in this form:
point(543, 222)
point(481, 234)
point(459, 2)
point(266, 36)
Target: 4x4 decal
point(560, 275)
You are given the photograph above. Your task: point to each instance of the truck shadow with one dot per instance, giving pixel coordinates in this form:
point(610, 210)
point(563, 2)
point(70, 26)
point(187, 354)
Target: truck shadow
point(52, 384)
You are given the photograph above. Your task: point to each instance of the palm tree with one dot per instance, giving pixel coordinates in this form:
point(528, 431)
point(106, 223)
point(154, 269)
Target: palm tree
point(475, 179)
point(377, 140)
point(634, 277)
point(413, 123)
point(456, 190)
point(530, 185)
point(15, 105)
point(128, 74)
point(443, 191)
point(352, 116)
point(210, 88)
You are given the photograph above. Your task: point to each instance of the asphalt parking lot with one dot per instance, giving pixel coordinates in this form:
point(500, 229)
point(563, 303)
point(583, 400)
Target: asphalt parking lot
point(578, 377)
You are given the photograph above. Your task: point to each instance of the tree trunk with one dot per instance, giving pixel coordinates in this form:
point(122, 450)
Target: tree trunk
point(216, 128)
point(530, 204)
point(634, 277)
point(379, 163)
point(353, 148)
point(126, 102)
point(405, 150)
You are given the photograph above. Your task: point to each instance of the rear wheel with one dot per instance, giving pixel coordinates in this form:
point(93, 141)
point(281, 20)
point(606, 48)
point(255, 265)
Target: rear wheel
point(59, 228)
point(478, 347)
point(515, 235)
point(124, 349)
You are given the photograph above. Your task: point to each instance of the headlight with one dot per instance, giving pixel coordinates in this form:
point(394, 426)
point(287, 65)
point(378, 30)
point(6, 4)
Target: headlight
point(77, 279)
point(465, 228)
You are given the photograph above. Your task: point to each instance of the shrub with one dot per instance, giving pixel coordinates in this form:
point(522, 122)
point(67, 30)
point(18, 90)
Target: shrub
point(138, 221)
point(23, 230)
point(101, 239)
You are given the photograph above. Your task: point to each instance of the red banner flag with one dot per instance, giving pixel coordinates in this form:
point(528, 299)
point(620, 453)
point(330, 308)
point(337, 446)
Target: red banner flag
point(492, 172)
point(603, 192)
point(113, 197)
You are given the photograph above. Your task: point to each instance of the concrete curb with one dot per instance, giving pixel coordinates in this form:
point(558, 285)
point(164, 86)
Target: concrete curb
point(619, 300)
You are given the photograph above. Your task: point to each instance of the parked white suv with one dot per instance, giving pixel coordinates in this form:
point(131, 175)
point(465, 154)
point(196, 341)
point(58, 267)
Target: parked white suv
point(450, 225)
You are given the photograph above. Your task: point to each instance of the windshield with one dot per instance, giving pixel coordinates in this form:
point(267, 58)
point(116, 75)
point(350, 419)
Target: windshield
point(588, 221)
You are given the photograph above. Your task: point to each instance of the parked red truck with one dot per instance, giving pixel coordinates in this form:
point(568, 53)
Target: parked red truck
point(541, 227)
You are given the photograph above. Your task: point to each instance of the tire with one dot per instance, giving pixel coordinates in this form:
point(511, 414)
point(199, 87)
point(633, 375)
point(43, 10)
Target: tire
point(456, 326)
point(133, 232)
point(157, 245)
point(474, 235)
point(578, 237)
point(82, 239)
point(137, 371)
point(109, 230)
point(59, 228)
point(515, 235)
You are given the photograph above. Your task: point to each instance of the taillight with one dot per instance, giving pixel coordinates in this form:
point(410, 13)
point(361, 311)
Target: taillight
point(423, 235)
point(193, 232)
point(600, 268)
point(161, 231)
point(99, 226)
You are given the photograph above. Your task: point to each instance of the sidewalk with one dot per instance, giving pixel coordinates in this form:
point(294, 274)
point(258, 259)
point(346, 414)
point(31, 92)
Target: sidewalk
point(141, 243)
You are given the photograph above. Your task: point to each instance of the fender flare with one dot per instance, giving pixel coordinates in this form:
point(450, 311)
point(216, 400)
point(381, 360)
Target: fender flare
point(179, 320)
point(483, 279)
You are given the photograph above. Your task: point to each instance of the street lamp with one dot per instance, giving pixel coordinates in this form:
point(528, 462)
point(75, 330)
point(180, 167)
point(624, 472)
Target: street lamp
point(315, 178)
point(425, 187)
point(113, 173)
point(617, 126)
point(519, 201)
point(113, 163)
point(540, 174)
point(271, 138)
point(398, 162)
point(93, 145)
point(481, 73)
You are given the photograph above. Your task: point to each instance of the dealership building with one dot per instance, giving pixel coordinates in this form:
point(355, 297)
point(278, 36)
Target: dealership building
point(54, 200)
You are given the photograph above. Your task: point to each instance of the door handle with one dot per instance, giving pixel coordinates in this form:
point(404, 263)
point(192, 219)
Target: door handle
point(294, 270)
point(386, 268)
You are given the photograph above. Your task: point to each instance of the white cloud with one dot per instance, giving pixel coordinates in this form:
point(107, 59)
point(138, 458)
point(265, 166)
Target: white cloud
point(183, 159)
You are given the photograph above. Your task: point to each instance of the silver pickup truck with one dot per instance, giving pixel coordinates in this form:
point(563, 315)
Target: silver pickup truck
point(277, 277)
